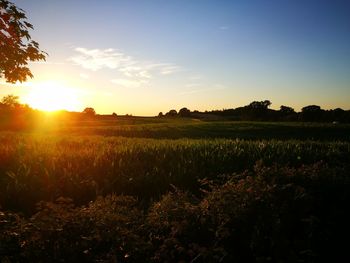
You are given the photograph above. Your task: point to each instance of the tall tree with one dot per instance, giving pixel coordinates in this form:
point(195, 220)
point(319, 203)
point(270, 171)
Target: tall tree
point(16, 45)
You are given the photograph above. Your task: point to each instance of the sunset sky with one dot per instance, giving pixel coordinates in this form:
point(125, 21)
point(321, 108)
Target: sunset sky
point(143, 57)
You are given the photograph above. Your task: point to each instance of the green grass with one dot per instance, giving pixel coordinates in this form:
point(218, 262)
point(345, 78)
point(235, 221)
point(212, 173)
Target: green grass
point(38, 167)
point(176, 128)
point(156, 190)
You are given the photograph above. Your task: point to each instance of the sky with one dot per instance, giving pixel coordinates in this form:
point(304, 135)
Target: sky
point(142, 57)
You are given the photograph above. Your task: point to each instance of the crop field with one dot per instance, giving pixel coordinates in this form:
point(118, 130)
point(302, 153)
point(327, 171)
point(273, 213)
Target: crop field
point(177, 128)
point(162, 190)
point(174, 131)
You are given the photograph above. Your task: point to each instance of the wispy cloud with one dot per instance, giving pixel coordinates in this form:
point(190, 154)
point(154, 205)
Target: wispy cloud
point(95, 59)
point(137, 70)
point(128, 83)
point(169, 69)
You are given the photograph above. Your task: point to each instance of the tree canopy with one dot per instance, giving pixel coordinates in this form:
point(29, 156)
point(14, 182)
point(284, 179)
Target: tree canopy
point(261, 105)
point(89, 111)
point(16, 45)
point(184, 112)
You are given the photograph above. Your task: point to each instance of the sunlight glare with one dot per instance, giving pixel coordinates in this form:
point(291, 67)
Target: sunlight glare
point(52, 96)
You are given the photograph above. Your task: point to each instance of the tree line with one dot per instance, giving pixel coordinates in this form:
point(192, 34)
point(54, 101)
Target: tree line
point(260, 111)
point(17, 116)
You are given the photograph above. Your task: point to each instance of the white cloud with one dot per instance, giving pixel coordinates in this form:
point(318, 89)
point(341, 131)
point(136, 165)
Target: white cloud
point(145, 74)
point(169, 69)
point(96, 59)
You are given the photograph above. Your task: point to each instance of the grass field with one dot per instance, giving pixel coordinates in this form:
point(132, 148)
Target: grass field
point(171, 190)
point(176, 128)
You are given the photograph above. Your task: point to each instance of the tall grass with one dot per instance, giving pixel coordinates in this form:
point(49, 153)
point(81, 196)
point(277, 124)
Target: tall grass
point(74, 197)
point(34, 168)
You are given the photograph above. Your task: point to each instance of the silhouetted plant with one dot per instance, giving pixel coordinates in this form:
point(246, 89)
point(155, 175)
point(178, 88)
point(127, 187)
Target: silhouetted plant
point(184, 112)
point(17, 48)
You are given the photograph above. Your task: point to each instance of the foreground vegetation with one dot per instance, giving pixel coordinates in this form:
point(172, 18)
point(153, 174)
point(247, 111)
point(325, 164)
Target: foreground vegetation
point(266, 215)
point(35, 168)
point(68, 194)
point(176, 128)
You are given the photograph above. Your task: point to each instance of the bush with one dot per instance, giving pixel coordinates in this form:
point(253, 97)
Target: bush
point(109, 229)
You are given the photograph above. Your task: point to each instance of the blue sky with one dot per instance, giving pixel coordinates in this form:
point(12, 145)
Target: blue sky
point(142, 57)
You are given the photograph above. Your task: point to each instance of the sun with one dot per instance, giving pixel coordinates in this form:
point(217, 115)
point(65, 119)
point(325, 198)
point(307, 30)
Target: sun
point(52, 96)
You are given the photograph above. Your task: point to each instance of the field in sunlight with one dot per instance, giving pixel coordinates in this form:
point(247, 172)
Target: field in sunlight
point(150, 189)
point(177, 128)
point(174, 131)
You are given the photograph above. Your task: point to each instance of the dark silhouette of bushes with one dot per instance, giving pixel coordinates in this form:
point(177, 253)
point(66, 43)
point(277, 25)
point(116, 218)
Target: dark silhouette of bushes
point(171, 113)
point(269, 214)
point(184, 112)
point(259, 111)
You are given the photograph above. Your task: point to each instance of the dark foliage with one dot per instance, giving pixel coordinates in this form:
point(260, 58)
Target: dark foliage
point(184, 112)
point(171, 113)
point(16, 116)
point(270, 214)
point(89, 111)
point(259, 111)
point(16, 46)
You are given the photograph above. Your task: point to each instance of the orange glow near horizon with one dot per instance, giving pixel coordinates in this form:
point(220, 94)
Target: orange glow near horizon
point(52, 96)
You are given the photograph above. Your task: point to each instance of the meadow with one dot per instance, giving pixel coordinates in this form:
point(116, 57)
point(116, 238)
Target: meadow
point(174, 190)
point(177, 128)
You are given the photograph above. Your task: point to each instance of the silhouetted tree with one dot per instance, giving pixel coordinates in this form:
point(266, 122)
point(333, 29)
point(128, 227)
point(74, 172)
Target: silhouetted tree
point(286, 110)
point(171, 113)
point(260, 104)
point(184, 112)
point(16, 45)
point(337, 115)
point(257, 110)
point(160, 114)
point(312, 113)
point(311, 108)
point(89, 111)
point(285, 114)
